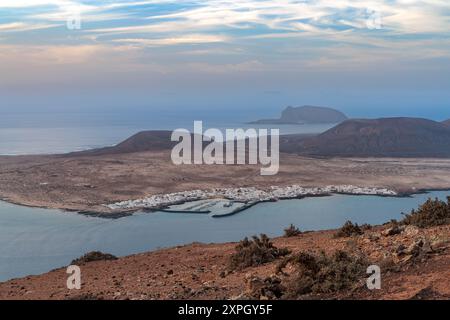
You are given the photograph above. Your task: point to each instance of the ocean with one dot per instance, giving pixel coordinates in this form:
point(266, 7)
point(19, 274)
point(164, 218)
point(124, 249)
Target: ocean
point(44, 133)
point(37, 240)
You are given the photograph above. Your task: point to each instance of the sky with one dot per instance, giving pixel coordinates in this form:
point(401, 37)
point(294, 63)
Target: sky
point(255, 57)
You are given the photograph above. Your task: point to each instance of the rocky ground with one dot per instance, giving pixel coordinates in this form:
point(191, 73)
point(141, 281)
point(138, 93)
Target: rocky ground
point(414, 264)
point(85, 183)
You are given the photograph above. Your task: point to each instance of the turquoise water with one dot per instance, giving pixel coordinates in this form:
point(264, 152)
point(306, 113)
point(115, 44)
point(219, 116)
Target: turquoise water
point(37, 240)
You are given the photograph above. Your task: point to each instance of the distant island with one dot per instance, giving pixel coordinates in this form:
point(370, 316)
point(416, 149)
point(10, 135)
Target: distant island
point(306, 115)
point(446, 122)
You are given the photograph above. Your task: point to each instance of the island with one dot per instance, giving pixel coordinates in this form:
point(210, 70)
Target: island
point(306, 115)
point(387, 157)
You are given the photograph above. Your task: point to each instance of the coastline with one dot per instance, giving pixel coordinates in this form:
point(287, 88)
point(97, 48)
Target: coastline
point(164, 208)
point(85, 184)
point(126, 212)
point(296, 203)
point(174, 272)
point(248, 195)
point(324, 192)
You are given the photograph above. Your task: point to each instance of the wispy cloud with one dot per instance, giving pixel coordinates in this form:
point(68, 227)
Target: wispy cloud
point(21, 26)
point(185, 39)
point(400, 16)
point(257, 34)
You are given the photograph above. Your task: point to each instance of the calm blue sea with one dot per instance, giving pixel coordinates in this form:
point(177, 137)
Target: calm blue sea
point(37, 240)
point(38, 133)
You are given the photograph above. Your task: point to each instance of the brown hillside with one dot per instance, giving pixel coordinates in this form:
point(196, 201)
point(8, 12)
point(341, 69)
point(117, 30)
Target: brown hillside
point(387, 137)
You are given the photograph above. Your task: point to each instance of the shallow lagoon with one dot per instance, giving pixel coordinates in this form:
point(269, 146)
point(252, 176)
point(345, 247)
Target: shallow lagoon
point(37, 240)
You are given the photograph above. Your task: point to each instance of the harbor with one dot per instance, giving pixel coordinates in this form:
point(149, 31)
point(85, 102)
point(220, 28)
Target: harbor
point(222, 202)
point(214, 207)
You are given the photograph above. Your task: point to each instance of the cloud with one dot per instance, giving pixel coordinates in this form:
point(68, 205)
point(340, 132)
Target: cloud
point(46, 55)
point(21, 26)
point(30, 3)
point(244, 35)
point(228, 68)
point(185, 39)
point(398, 16)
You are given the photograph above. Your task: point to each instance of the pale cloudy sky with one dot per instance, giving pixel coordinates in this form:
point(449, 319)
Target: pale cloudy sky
point(365, 57)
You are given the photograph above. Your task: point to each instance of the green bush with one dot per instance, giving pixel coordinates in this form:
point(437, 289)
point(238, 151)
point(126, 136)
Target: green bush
point(431, 213)
point(255, 252)
point(93, 256)
point(348, 230)
point(322, 274)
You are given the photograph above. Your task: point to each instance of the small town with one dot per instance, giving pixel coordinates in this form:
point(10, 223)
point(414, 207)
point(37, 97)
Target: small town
point(247, 195)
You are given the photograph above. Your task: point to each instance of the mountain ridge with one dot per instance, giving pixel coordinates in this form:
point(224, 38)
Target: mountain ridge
point(149, 140)
point(383, 137)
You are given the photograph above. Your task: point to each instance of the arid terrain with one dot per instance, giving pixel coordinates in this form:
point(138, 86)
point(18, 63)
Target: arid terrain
point(414, 261)
point(385, 137)
point(86, 182)
point(414, 265)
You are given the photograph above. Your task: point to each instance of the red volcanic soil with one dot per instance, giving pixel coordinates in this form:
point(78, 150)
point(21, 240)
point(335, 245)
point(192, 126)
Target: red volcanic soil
point(199, 271)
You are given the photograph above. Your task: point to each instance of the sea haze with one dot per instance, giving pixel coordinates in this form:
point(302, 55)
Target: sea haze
point(43, 133)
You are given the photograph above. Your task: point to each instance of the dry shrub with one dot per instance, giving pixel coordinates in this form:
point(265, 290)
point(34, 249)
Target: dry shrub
point(349, 230)
point(323, 274)
point(430, 214)
point(292, 231)
point(93, 256)
point(255, 252)
point(269, 288)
